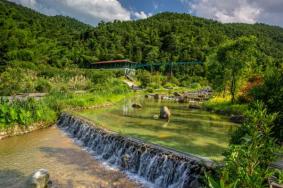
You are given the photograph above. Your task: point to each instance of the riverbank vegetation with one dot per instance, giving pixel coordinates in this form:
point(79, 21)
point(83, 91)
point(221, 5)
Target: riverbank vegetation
point(46, 110)
point(70, 88)
point(24, 113)
point(252, 149)
point(223, 105)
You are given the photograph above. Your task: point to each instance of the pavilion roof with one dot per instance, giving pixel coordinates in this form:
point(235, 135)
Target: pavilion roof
point(115, 61)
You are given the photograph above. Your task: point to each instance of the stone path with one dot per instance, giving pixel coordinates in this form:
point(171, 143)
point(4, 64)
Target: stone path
point(279, 162)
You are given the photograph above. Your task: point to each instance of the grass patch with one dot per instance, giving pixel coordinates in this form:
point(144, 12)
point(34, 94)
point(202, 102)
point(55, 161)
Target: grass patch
point(67, 88)
point(25, 112)
point(223, 105)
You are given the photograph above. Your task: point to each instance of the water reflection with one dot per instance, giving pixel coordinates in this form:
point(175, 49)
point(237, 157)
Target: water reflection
point(126, 107)
point(165, 124)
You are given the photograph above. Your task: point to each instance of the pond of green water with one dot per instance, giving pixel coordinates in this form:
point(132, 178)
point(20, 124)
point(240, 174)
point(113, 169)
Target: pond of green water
point(189, 130)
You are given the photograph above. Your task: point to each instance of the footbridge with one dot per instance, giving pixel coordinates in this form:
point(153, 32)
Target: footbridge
point(158, 64)
point(127, 64)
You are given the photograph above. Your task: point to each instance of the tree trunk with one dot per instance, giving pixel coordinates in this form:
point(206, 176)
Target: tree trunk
point(233, 87)
point(224, 92)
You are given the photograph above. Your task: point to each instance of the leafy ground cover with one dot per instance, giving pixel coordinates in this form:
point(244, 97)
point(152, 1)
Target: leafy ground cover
point(69, 88)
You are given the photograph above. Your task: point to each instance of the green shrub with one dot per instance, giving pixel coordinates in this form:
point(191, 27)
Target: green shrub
point(24, 112)
point(169, 85)
point(271, 94)
point(154, 85)
point(247, 161)
point(144, 77)
point(118, 87)
point(195, 86)
point(186, 83)
point(42, 85)
point(20, 54)
point(173, 80)
point(15, 80)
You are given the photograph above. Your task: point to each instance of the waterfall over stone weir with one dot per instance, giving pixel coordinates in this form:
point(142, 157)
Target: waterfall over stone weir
point(160, 166)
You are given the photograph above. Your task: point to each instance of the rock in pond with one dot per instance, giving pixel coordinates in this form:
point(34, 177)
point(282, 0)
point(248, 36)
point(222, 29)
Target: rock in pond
point(194, 106)
point(237, 118)
point(165, 113)
point(135, 105)
point(125, 161)
point(176, 94)
point(182, 99)
point(155, 116)
point(158, 96)
point(39, 179)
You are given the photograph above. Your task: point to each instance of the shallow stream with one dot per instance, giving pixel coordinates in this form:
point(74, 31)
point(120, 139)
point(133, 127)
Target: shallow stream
point(68, 164)
point(189, 130)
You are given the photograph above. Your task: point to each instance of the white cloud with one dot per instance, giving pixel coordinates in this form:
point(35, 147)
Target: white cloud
point(90, 11)
point(246, 11)
point(141, 15)
point(28, 3)
point(227, 11)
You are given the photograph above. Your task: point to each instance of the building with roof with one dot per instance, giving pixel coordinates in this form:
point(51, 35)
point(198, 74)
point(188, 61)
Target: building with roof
point(113, 64)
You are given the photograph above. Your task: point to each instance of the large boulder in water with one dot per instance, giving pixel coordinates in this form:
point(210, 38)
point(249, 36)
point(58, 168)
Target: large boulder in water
point(165, 113)
point(39, 179)
point(135, 105)
point(237, 118)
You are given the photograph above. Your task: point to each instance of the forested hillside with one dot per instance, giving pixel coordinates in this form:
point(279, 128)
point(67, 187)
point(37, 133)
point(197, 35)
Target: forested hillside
point(175, 37)
point(30, 36)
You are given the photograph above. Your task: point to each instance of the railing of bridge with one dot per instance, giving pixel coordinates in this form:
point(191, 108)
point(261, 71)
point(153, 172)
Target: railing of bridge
point(141, 65)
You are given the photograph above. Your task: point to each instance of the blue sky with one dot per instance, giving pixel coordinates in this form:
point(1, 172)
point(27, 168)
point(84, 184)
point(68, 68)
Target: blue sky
point(155, 6)
point(226, 11)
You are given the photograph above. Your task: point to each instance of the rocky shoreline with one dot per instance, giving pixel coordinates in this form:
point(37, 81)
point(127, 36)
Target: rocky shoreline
point(183, 97)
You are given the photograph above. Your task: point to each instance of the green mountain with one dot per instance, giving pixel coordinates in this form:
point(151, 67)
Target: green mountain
point(26, 35)
point(62, 41)
point(175, 37)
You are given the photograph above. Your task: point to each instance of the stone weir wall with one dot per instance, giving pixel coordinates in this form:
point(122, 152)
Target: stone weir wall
point(159, 166)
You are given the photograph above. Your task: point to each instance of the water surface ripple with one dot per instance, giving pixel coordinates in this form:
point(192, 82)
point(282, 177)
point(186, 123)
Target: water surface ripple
point(67, 163)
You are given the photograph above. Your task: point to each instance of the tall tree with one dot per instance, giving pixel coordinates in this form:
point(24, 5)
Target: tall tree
point(234, 58)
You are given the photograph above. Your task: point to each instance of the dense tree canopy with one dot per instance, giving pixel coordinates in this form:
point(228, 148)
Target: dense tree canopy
point(30, 36)
point(32, 40)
